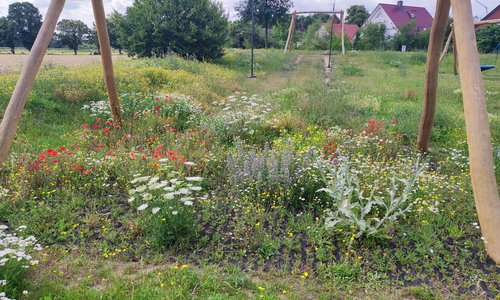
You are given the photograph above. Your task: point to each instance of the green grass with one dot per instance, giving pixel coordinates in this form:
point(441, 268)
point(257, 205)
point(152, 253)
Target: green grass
point(228, 162)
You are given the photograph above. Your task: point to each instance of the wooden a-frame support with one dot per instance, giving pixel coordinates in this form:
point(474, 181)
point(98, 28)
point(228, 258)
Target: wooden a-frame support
point(484, 184)
point(289, 40)
point(30, 69)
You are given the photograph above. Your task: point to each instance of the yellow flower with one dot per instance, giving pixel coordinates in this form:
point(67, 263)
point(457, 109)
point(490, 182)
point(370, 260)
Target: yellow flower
point(261, 288)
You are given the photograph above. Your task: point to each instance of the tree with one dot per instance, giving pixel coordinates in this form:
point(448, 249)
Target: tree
point(72, 33)
point(488, 38)
point(190, 28)
point(113, 31)
point(266, 12)
point(357, 14)
point(371, 37)
point(7, 36)
point(21, 25)
point(422, 39)
point(302, 22)
point(240, 35)
point(406, 35)
point(93, 39)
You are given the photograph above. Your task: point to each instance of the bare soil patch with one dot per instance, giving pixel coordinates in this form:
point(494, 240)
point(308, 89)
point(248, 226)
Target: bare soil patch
point(16, 61)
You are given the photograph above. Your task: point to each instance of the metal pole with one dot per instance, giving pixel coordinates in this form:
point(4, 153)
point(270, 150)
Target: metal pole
point(331, 39)
point(253, 32)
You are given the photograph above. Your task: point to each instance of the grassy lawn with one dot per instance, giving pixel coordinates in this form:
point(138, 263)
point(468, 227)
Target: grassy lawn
point(302, 183)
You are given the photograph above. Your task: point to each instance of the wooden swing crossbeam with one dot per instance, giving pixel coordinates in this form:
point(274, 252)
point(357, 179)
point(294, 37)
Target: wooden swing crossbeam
point(289, 40)
point(30, 69)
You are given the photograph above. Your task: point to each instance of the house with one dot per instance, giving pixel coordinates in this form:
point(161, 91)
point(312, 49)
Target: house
point(494, 14)
point(394, 16)
point(349, 29)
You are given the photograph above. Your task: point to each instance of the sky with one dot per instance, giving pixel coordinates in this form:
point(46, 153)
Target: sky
point(82, 9)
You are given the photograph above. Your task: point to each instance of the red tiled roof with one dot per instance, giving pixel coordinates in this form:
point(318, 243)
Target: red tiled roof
point(399, 18)
point(487, 17)
point(350, 29)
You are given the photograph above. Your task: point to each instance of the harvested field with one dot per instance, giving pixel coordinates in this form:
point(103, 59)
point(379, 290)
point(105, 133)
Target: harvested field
point(14, 61)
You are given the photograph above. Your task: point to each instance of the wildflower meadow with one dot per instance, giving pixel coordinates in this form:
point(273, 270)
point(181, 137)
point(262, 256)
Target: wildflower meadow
point(216, 186)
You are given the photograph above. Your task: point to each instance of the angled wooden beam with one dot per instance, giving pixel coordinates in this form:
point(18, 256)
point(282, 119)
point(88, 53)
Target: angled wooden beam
point(107, 61)
point(436, 39)
point(481, 165)
point(27, 78)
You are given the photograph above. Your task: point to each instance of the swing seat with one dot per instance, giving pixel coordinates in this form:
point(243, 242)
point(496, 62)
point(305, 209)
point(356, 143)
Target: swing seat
point(487, 67)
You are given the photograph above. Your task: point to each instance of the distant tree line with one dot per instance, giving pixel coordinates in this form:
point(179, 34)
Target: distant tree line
point(200, 29)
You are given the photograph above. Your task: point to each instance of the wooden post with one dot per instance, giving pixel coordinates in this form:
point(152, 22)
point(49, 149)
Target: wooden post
point(342, 30)
point(30, 69)
point(455, 70)
point(292, 22)
point(436, 38)
point(478, 132)
point(107, 61)
point(293, 31)
point(446, 46)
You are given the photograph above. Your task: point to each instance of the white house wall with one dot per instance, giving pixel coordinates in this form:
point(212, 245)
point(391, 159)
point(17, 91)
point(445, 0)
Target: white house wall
point(380, 16)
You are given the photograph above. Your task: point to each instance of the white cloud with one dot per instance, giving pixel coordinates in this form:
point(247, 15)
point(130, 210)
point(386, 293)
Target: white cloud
point(82, 9)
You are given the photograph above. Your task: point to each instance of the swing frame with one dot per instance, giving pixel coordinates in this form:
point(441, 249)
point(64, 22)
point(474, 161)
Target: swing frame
point(289, 40)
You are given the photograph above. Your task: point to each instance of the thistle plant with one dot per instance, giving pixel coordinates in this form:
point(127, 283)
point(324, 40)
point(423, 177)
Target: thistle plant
point(15, 261)
point(356, 214)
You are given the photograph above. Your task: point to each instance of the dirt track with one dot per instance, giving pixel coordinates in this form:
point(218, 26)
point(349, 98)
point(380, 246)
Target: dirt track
point(10, 61)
